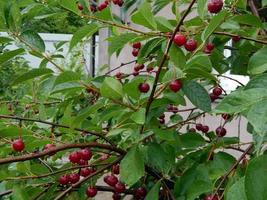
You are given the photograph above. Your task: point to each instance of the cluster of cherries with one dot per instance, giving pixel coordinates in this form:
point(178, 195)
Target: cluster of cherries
point(216, 92)
point(181, 40)
point(212, 197)
point(136, 48)
point(101, 6)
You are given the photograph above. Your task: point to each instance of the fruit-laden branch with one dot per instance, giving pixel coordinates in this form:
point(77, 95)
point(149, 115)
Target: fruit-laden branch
point(56, 125)
point(59, 148)
point(165, 56)
point(232, 169)
point(64, 193)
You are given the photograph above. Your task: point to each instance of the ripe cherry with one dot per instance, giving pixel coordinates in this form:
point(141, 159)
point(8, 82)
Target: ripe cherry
point(121, 2)
point(149, 69)
point(74, 178)
point(116, 196)
point(217, 91)
point(211, 197)
point(91, 191)
point(190, 45)
point(118, 75)
point(226, 116)
point(137, 45)
point(18, 145)
point(144, 87)
point(205, 129)
point(92, 8)
point(162, 121)
point(162, 116)
point(64, 179)
point(215, 6)
point(83, 162)
point(116, 2)
point(75, 157)
point(175, 85)
point(80, 6)
point(102, 6)
point(116, 169)
point(220, 131)
point(199, 127)
point(120, 187)
point(236, 38)
point(210, 46)
point(49, 146)
point(179, 39)
point(135, 52)
point(86, 154)
point(111, 180)
point(140, 193)
point(85, 172)
point(175, 109)
point(213, 97)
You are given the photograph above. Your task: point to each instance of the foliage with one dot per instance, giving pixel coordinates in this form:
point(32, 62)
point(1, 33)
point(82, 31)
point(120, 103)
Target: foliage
point(57, 123)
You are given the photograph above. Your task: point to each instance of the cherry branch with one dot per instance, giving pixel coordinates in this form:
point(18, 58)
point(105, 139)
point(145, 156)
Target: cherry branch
point(232, 169)
point(54, 150)
point(63, 194)
point(227, 77)
point(165, 56)
point(56, 125)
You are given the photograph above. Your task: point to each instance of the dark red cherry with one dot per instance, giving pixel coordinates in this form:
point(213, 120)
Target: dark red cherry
point(140, 193)
point(18, 145)
point(137, 45)
point(215, 6)
point(80, 6)
point(64, 179)
point(179, 39)
point(226, 116)
point(236, 38)
point(75, 157)
point(144, 87)
point(135, 52)
point(199, 127)
point(85, 172)
point(111, 180)
point(217, 91)
point(86, 154)
point(190, 45)
point(211, 197)
point(74, 178)
point(120, 187)
point(116, 169)
point(91, 192)
point(220, 131)
point(205, 129)
point(175, 85)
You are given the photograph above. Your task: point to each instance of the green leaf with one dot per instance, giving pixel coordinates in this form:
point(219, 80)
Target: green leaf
point(177, 56)
point(4, 57)
point(264, 3)
point(14, 18)
point(31, 75)
point(172, 74)
point(197, 94)
point(70, 5)
point(111, 88)
point(139, 116)
point(67, 87)
point(117, 43)
point(256, 179)
point(163, 24)
point(85, 31)
point(105, 14)
point(259, 81)
point(213, 25)
point(4, 40)
point(202, 8)
point(13, 131)
point(241, 100)
point(67, 76)
point(153, 194)
point(258, 62)
point(248, 19)
point(144, 16)
point(133, 162)
point(33, 39)
point(237, 191)
point(200, 61)
point(196, 72)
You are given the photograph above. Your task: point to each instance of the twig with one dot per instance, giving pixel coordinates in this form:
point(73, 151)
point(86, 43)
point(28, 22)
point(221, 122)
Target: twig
point(64, 193)
point(5, 193)
point(220, 75)
point(57, 149)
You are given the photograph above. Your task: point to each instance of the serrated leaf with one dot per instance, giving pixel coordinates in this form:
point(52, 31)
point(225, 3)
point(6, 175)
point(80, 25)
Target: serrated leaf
point(197, 94)
point(133, 162)
point(144, 16)
point(33, 39)
point(111, 88)
point(85, 31)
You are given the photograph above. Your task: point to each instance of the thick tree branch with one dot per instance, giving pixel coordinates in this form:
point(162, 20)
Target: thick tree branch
point(57, 149)
point(56, 125)
point(63, 194)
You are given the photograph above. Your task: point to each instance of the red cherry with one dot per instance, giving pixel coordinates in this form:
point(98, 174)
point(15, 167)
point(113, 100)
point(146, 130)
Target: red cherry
point(149, 69)
point(75, 157)
point(192, 130)
point(215, 6)
point(104, 157)
point(64, 179)
point(74, 178)
point(175, 109)
point(205, 129)
point(118, 75)
point(116, 2)
point(80, 6)
point(120, 187)
point(85, 172)
point(144, 87)
point(179, 39)
point(116, 196)
point(220, 131)
point(175, 85)
point(49, 146)
point(92, 8)
point(190, 45)
point(170, 107)
point(162, 121)
point(199, 127)
point(210, 46)
point(140, 193)
point(121, 2)
point(116, 169)
point(137, 45)
point(83, 162)
point(206, 51)
point(135, 52)
point(111, 180)
point(106, 2)
point(86, 154)
point(135, 73)
point(91, 191)
point(217, 91)
point(236, 38)
point(162, 116)
point(226, 116)
point(213, 97)
point(211, 197)
point(102, 6)
point(18, 145)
